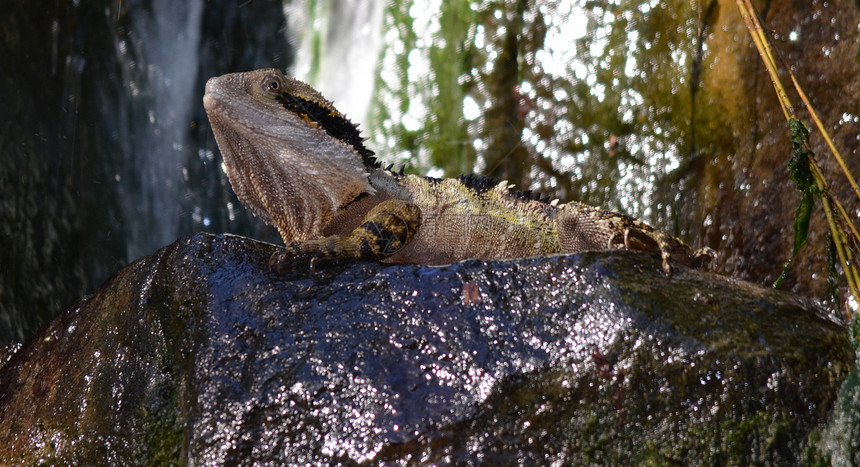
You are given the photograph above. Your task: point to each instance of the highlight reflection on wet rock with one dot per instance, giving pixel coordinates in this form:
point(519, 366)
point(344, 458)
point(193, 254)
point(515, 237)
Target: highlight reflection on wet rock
point(199, 353)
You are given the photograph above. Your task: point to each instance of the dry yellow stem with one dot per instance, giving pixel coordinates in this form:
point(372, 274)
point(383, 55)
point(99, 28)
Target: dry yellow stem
point(840, 237)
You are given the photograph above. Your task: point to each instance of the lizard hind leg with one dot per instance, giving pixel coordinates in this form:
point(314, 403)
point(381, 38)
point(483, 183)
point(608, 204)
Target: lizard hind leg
point(641, 236)
point(582, 227)
point(670, 248)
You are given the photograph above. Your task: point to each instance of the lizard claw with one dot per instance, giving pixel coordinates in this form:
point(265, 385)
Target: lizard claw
point(703, 256)
point(667, 268)
point(290, 259)
point(695, 259)
point(278, 261)
point(308, 256)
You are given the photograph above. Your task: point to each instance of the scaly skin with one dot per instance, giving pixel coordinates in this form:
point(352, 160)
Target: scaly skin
point(298, 163)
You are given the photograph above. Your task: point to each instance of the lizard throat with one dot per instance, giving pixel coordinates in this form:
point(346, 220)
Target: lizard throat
point(334, 125)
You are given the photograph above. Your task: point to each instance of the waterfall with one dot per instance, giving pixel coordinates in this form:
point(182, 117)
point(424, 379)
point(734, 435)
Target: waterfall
point(160, 72)
point(109, 155)
point(337, 50)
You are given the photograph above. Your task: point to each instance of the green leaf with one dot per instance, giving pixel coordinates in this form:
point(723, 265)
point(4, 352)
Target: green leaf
point(801, 174)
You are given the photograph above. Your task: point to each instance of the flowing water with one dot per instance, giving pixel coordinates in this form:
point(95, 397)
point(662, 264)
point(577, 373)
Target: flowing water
point(107, 153)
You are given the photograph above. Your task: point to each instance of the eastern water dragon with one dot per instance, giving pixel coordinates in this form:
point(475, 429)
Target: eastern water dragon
point(298, 163)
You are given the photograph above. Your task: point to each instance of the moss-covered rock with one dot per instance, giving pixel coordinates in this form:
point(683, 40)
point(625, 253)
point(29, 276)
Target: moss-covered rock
point(200, 353)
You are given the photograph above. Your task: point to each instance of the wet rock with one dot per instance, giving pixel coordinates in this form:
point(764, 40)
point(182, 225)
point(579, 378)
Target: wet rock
point(199, 353)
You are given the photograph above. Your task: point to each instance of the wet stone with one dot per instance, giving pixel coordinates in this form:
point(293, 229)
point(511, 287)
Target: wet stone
point(201, 354)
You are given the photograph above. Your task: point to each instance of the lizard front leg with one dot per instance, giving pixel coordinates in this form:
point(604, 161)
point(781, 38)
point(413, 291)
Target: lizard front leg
point(384, 231)
point(582, 227)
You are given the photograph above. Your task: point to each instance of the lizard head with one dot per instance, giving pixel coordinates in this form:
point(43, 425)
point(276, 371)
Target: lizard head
point(291, 157)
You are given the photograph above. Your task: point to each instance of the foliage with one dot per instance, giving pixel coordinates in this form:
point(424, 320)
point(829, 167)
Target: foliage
point(801, 175)
point(581, 100)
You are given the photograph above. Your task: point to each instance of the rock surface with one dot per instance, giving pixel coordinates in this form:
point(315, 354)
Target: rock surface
point(199, 353)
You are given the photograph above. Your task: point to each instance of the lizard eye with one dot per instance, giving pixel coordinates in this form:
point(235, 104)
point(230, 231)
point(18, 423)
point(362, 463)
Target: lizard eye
point(272, 85)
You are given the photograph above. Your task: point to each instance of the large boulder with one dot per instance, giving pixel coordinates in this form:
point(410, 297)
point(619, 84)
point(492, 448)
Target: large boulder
point(202, 354)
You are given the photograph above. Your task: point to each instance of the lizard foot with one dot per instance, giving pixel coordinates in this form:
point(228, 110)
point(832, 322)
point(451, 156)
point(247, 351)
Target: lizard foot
point(307, 256)
point(384, 231)
point(638, 235)
point(582, 227)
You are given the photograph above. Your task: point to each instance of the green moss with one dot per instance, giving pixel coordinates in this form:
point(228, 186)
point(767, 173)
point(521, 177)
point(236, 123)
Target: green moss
point(838, 442)
point(163, 430)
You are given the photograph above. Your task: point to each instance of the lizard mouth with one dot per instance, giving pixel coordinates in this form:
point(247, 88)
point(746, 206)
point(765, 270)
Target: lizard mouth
point(213, 96)
point(210, 99)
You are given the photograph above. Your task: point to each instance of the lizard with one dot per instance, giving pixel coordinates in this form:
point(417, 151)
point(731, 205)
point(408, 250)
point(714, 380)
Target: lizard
point(297, 162)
